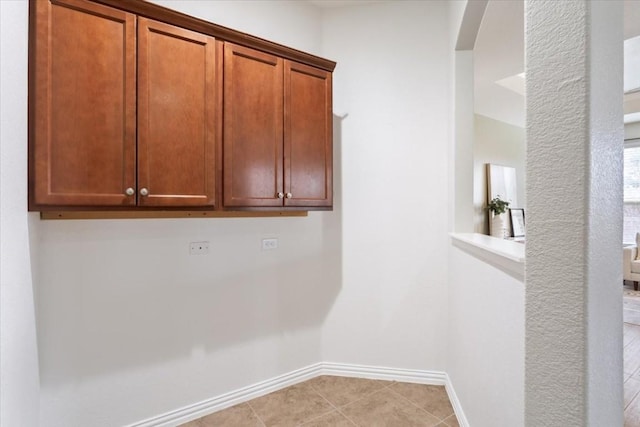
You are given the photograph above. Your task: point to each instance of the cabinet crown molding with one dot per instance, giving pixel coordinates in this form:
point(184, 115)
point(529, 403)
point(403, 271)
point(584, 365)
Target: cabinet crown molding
point(169, 16)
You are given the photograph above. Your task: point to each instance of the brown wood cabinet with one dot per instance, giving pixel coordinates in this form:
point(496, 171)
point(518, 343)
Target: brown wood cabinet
point(253, 116)
point(83, 104)
point(277, 131)
point(85, 141)
point(177, 116)
point(308, 127)
point(127, 112)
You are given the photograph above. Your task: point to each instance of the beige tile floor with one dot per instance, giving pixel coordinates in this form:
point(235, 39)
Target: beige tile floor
point(341, 402)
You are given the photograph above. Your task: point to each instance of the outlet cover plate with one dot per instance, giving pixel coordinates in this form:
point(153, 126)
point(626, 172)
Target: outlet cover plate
point(269, 244)
point(198, 248)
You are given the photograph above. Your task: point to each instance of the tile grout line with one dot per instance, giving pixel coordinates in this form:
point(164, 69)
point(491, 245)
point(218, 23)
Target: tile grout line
point(629, 343)
point(635, 396)
point(354, 401)
point(255, 413)
point(635, 372)
point(445, 420)
point(358, 400)
point(347, 418)
point(364, 397)
point(440, 420)
point(418, 406)
point(633, 341)
point(336, 409)
point(629, 405)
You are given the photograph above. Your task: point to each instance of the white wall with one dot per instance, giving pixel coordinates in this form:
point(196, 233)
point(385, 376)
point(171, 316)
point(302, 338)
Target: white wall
point(502, 144)
point(18, 352)
point(292, 23)
point(485, 308)
point(392, 87)
point(456, 16)
point(130, 326)
point(485, 341)
point(465, 19)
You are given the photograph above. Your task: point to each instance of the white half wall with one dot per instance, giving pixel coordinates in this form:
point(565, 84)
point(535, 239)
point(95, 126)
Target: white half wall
point(502, 144)
point(19, 384)
point(485, 341)
point(131, 326)
point(392, 86)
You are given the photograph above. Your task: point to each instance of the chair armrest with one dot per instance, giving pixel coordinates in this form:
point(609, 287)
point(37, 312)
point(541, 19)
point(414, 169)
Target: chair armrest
point(629, 254)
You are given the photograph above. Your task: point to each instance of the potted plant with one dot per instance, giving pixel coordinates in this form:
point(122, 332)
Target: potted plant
point(498, 207)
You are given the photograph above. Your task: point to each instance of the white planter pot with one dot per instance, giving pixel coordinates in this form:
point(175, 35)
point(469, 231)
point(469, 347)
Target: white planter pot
point(499, 226)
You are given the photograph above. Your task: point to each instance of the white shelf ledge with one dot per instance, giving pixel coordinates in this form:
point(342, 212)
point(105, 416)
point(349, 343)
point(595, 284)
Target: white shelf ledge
point(506, 255)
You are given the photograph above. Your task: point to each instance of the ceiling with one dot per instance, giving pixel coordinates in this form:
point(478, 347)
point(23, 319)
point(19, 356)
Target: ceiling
point(499, 57)
point(499, 54)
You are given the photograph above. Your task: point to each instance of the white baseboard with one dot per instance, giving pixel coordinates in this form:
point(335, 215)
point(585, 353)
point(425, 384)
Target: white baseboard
point(244, 394)
point(455, 402)
point(200, 409)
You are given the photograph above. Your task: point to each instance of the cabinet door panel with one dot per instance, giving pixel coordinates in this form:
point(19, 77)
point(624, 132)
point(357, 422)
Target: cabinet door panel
point(82, 130)
point(177, 109)
point(308, 136)
point(252, 127)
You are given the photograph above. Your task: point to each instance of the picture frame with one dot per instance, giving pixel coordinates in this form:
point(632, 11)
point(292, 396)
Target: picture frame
point(516, 217)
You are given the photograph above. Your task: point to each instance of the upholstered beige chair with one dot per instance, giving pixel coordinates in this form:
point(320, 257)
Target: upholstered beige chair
point(631, 265)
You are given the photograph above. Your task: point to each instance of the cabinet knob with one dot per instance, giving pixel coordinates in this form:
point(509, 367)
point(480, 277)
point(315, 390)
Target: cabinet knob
point(280, 195)
point(129, 191)
point(289, 195)
point(144, 192)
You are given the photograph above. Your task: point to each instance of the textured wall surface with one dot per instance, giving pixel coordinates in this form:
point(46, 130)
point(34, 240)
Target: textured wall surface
point(573, 296)
point(604, 335)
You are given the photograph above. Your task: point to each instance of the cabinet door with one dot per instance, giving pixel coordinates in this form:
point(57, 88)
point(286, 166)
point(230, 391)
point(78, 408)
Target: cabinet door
point(177, 110)
point(308, 151)
point(252, 128)
point(82, 106)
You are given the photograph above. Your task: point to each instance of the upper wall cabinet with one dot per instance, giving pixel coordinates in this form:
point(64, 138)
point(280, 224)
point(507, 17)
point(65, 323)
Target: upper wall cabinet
point(83, 104)
point(253, 117)
point(277, 131)
point(127, 112)
point(308, 148)
point(178, 119)
point(84, 143)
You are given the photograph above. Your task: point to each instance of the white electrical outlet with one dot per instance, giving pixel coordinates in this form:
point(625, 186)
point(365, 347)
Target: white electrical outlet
point(198, 248)
point(269, 244)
